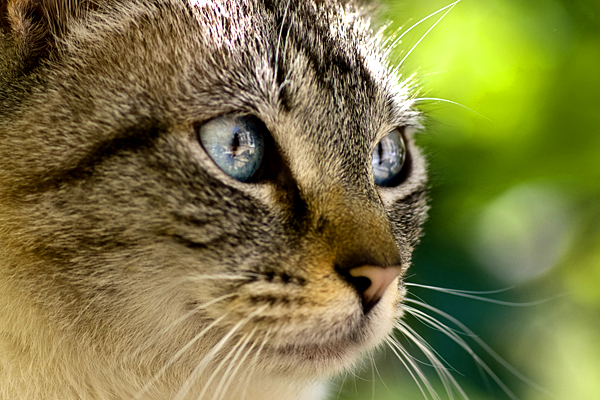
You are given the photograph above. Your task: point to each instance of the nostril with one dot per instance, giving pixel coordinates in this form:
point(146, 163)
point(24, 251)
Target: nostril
point(361, 283)
point(371, 282)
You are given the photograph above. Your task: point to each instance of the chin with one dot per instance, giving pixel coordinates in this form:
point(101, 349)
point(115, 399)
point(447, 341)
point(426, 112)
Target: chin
point(335, 347)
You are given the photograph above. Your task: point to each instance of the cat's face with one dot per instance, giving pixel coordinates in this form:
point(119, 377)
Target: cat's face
point(125, 234)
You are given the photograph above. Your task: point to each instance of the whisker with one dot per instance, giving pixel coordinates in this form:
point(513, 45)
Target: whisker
point(412, 368)
point(187, 385)
point(176, 356)
point(398, 39)
point(372, 376)
point(424, 319)
point(231, 372)
point(423, 341)
point(287, 7)
point(254, 362)
point(174, 283)
point(462, 291)
point(196, 309)
point(375, 372)
point(221, 277)
point(410, 342)
point(343, 378)
point(471, 295)
point(451, 102)
point(378, 374)
point(483, 344)
point(458, 340)
point(450, 7)
point(185, 316)
point(233, 352)
point(287, 36)
point(445, 376)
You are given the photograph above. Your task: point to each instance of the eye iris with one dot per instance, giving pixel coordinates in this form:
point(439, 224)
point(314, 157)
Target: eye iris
point(236, 144)
point(388, 158)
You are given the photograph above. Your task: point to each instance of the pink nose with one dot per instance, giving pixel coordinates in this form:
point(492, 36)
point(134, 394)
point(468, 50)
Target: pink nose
point(372, 281)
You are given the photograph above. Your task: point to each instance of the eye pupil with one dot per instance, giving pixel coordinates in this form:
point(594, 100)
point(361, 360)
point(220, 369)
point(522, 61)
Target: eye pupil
point(388, 159)
point(236, 144)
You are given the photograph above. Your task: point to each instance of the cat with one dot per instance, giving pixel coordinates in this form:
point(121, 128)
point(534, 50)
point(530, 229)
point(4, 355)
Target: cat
point(199, 199)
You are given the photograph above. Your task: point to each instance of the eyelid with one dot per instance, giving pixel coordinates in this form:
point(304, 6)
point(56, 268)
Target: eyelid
point(386, 131)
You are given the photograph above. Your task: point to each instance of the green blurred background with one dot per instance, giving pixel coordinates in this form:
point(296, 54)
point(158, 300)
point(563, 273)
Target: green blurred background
point(515, 195)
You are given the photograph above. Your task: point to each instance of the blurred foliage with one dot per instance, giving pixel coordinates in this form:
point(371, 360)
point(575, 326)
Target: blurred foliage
point(515, 174)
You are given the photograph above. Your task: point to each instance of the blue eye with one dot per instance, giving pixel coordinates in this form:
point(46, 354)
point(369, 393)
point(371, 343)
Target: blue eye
point(388, 158)
point(236, 144)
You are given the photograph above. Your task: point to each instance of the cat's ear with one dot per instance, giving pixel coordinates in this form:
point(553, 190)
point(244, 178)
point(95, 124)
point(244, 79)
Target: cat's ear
point(35, 25)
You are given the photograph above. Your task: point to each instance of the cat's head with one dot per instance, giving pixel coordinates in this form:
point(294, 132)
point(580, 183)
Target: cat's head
point(184, 178)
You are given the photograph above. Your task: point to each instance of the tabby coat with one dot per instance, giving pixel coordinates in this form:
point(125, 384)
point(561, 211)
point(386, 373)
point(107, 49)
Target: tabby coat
point(131, 266)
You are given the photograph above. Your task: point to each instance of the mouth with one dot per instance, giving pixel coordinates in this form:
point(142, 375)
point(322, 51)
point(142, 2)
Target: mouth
point(325, 358)
point(334, 348)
